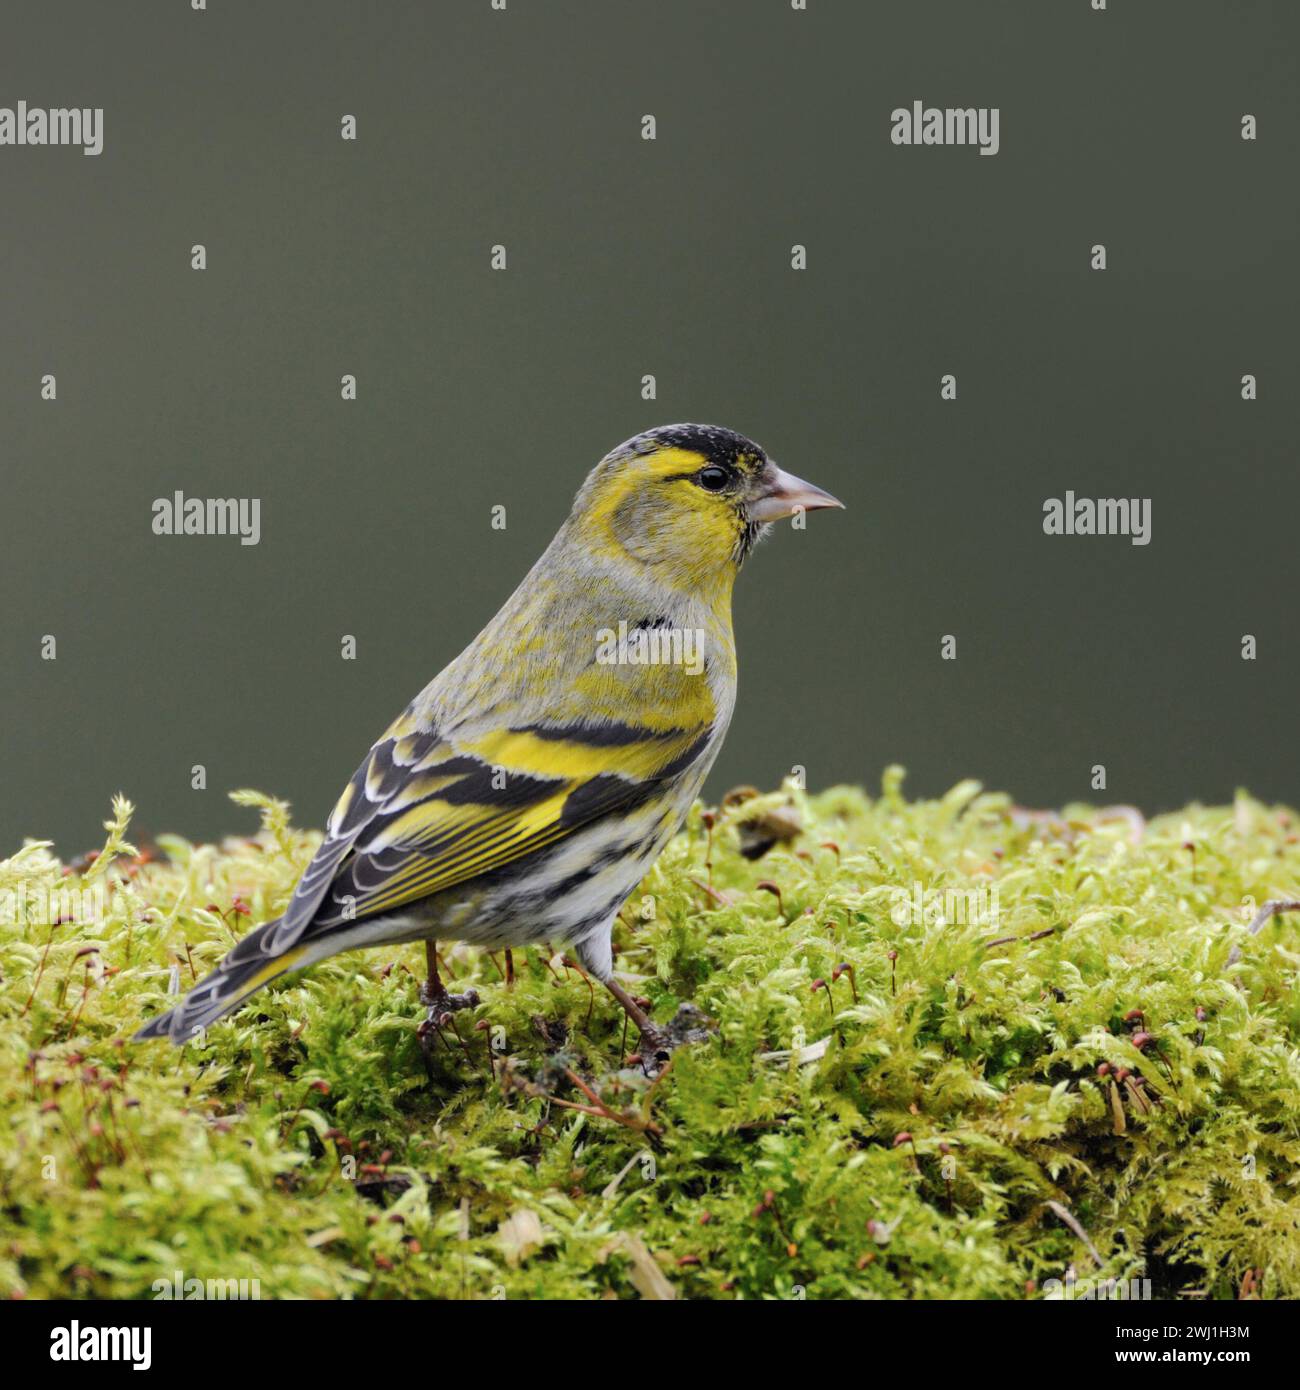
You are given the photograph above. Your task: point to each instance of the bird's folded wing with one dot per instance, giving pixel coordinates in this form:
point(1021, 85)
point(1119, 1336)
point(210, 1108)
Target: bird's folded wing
point(423, 814)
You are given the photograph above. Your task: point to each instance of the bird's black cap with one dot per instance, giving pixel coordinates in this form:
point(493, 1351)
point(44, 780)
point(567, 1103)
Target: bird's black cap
point(717, 444)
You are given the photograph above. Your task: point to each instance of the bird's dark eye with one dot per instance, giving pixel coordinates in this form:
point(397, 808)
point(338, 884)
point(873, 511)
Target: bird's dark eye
point(712, 479)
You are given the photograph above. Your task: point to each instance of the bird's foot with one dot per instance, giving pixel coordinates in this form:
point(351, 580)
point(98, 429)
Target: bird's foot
point(441, 1007)
point(439, 1002)
point(689, 1025)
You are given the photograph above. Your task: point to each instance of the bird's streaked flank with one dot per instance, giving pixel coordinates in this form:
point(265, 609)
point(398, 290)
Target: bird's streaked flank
point(526, 791)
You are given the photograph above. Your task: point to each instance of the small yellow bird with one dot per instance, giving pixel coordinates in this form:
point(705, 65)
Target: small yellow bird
point(526, 791)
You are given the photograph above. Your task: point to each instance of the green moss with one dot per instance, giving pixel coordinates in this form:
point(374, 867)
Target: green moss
point(764, 1164)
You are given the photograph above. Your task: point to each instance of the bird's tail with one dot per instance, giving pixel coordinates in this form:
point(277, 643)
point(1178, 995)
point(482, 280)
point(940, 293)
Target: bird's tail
point(243, 972)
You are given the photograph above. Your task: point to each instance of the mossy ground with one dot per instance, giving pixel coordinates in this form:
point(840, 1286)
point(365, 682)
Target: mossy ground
point(737, 1175)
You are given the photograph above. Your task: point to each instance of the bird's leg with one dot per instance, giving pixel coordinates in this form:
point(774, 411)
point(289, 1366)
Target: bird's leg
point(440, 1004)
point(434, 993)
point(510, 969)
point(658, 1044)
point(689, 1025)
point(630, 1007)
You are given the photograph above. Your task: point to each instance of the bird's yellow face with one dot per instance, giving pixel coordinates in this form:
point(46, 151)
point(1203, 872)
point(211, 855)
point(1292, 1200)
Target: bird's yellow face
point(688, 502)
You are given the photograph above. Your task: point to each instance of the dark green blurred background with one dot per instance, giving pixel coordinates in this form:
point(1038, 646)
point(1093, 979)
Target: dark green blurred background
point(673, 258)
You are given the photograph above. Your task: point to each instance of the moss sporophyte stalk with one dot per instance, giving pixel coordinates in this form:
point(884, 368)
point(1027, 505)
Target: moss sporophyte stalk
point(1090, 1084)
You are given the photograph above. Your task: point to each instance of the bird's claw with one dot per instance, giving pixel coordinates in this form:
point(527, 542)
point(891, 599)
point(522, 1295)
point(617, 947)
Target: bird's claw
point(439, 1002)
point(689, 1025)
point(441, 1006)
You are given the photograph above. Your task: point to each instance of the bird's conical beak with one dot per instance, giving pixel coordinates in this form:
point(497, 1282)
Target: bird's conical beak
point(782, 494)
